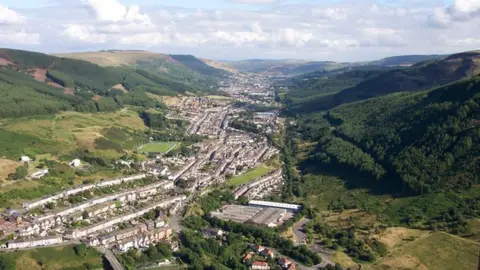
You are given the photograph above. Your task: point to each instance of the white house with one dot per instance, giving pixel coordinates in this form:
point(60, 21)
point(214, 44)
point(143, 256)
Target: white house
point(35, 243)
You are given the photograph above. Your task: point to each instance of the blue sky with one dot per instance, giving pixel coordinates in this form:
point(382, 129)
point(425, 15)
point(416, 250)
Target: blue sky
point(338, 30)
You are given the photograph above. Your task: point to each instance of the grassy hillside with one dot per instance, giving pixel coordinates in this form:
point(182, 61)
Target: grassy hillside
point(183, 69)
point(432, 251)
point(34, 83)
point(421, 76)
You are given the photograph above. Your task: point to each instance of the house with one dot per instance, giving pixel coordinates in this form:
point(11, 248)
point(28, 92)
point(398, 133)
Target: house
point(75, 163)
point(257, 265)
point(248, 258)
point(258, 248)
point(284, 262)
point(267, 253)
point(212, 232)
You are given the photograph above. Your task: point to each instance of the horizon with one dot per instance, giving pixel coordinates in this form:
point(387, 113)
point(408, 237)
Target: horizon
point(233, 30)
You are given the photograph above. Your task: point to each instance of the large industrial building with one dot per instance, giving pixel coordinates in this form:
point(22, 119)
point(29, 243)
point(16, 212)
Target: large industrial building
point(287, 206)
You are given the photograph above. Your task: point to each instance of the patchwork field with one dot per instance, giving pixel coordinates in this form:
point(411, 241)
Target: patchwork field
point(158, 147)
point(55, 258)
point(436, 250)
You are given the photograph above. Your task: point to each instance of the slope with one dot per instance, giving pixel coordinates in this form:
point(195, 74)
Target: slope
point(67, 84)
point(191, 71)
point(421, 76)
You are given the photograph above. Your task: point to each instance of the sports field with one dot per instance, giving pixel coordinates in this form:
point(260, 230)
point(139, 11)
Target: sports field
point(250, 175)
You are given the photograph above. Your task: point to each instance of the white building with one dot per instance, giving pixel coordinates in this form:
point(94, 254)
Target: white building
point(286, 206)
point(25, 159)
point(35, 243)
point(39, 174)
point(76, 163)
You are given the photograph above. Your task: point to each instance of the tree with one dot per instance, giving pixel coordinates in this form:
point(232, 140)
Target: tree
point(7, 262)
point(21, 172)
point(81, 249)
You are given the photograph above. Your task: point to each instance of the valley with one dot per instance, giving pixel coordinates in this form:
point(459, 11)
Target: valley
point(213, 168)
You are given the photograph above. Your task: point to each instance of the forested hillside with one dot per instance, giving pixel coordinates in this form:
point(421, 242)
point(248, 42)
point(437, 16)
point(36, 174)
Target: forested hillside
point(428, 141)
point(312, 85)
point(422, 76)
point(34, 83)
point(423, 147)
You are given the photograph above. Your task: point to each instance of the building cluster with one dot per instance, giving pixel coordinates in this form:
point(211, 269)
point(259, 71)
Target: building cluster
point(261, 213)
point(260, 257)
point(95, 217)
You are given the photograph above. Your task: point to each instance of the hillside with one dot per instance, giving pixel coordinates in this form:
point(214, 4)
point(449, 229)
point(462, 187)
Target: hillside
point(185, 69)
point(285, 67)
point(422, 76)
point(405, 60)
point(46, 84)
point(311, 85)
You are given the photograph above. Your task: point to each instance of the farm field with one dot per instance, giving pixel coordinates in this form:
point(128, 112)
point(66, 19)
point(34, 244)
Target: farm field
point(55, 258)
point(158, 147)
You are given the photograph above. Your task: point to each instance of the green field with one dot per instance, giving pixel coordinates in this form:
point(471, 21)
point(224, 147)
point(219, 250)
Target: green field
point(250, 175)
point(55, 258)
point(158, 147)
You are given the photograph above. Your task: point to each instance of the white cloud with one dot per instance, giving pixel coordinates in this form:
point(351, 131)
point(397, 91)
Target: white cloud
point(146, 39)
point(83, 33)
point(9, 16)
point(323, 30)
point(467, 6)
point(21, 37)
point(112, 10)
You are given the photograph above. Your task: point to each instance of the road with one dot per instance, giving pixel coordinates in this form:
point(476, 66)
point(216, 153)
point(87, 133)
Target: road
point(112, 260)
point(298, 230)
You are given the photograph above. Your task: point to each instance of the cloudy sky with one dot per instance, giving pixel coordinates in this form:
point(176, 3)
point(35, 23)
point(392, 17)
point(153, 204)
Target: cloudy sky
point(340, 30)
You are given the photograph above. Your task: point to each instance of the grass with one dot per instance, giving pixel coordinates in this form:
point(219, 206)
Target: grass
point(55, 258)
point(158, 147)
point(250, 175)
point(61, 133)
point(343, 259)
point(435, 250)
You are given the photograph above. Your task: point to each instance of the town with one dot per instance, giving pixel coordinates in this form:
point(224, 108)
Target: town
point(135, 211)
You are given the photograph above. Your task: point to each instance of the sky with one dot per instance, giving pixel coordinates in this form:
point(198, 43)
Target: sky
point(335, 30)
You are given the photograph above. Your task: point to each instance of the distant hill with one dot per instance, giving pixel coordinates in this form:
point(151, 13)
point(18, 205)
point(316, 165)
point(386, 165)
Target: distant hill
point(283, 67)
point(405, 60)
point(181, 68)
point(421, 76)
point(35, 83)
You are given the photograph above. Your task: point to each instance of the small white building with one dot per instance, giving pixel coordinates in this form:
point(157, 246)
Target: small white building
point(75, 163)
point(25, 159)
